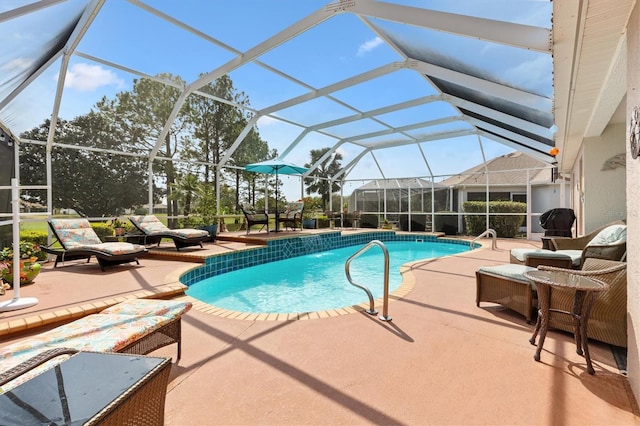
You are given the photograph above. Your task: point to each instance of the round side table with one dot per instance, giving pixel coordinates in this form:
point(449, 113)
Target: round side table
point(586, 289)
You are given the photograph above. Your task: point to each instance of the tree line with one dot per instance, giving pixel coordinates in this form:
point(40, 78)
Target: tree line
point(126, 128)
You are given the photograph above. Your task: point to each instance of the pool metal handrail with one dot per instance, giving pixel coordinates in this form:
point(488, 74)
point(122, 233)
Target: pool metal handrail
point(385, 307)
point(494, 244)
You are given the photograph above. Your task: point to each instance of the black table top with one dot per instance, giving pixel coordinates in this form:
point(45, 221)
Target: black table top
point(75, 390)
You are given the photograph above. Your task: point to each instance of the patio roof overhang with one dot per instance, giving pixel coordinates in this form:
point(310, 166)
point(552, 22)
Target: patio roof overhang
point(589, 39)
point(454, 91)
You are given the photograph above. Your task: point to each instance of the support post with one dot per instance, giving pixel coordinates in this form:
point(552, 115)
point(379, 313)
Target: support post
point(17, 302)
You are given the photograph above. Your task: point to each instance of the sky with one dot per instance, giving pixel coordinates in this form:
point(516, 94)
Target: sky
point(339, 48)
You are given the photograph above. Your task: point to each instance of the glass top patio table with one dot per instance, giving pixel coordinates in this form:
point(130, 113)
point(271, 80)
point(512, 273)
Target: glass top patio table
point(584, 288)
point(78, 389)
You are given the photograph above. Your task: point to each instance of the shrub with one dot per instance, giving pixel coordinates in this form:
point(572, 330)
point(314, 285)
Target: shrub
point(505, 226)
point(36, 237)
point(194, 221)
point(323, 222)
point(102, 229)
point(28, 249)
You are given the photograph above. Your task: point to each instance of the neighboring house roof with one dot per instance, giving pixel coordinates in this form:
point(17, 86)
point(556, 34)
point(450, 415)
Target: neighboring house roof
point(404, 183)
point(513, 168)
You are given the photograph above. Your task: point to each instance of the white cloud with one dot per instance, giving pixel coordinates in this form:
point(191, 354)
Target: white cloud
point(267, 121)
point(87, 78)
point(17, 64)
point(368, 46)
point(534, 73)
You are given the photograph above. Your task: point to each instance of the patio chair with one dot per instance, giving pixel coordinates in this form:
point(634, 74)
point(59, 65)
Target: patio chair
point(608, 319)
point(355, 218)
point(151, 227)
point(254, 217)
point(292, 215)
point(607, 242)
point(78, 240)
point(334, 217)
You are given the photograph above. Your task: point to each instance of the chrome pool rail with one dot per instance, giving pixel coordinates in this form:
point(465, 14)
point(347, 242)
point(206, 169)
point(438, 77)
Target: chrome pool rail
point(494, 243)
point(385, 307)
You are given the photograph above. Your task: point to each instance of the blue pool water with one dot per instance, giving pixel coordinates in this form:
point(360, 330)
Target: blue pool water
point(314, 282)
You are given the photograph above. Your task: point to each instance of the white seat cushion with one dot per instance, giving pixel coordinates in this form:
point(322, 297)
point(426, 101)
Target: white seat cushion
point(511, 271)
point(522, 254)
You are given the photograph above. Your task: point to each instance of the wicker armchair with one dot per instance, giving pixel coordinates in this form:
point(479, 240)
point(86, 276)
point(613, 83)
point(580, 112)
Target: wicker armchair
point(611, 251)
point(607, 242)
point(608, 320)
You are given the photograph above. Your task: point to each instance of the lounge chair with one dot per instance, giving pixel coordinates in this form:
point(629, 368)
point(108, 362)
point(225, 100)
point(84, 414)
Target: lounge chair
point(151, 227)
point(607, 242)
point(78, 240)
point(292, 215)
point(254, 217)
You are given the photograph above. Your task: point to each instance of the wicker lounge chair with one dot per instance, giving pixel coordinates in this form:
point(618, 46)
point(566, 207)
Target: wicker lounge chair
point(152, 228)
point(254, 217)
point(608, 319)
point(607, 242)
point(292, 215)
point(78, 240)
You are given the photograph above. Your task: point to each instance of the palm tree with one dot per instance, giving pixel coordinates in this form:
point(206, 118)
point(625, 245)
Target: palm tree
point(321, 175)
point(184, 190)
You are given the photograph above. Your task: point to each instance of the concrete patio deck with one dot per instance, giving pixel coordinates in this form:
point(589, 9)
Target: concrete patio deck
point(442, 360)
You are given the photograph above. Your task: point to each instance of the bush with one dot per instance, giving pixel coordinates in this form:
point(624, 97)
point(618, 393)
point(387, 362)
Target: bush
point(36, 237)
point(369, 221)
point(192, 221)
point(505, 226)
point(103, 229)
point(323, 222)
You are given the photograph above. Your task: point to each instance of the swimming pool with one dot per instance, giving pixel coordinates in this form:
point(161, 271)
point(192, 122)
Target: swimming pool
point(316, 281)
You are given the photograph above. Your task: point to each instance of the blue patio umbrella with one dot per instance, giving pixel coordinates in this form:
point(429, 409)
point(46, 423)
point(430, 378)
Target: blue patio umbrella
point(275, 166)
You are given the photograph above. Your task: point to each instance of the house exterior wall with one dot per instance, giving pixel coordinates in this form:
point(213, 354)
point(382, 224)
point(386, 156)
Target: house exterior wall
point(604, 197)
point(577, 191)
point(543, 198)
point(633, 207)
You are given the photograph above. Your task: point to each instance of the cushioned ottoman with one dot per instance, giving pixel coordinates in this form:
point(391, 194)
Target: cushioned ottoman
point(507, 286)
point(534, 257)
